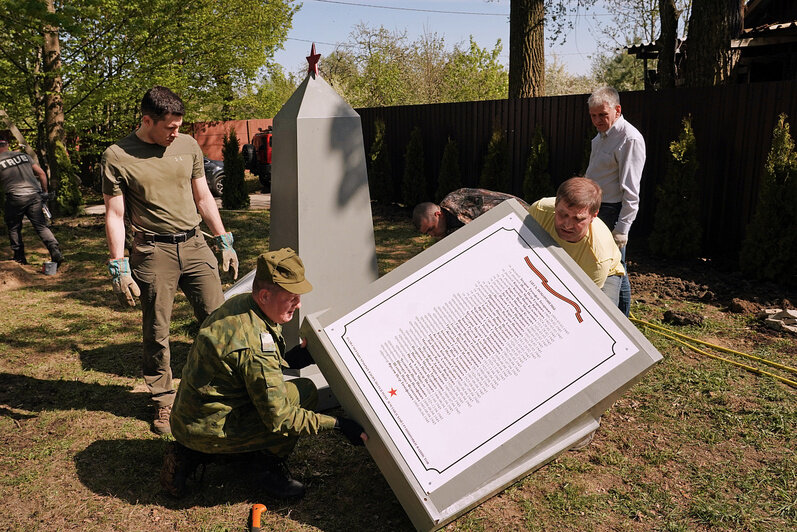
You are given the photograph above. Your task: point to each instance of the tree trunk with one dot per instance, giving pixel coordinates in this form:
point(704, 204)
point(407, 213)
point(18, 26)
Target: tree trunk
point(666, 43)
point(712, 25)
point(526, 48)
point(53, 102)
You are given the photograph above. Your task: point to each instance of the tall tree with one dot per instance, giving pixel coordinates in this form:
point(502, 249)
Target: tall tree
point(209, 51)
point(527, 48)
point(667, 42)
point(473, 74)
point(621, 71)
point(384, 68)
point(53, 99)
point(712, 25)
point(559, 81)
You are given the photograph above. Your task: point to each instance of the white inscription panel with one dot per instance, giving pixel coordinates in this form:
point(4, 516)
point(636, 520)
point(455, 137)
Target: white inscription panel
point(465, 353)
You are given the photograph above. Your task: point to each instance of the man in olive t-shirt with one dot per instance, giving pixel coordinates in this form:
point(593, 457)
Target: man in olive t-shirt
point(156, 177)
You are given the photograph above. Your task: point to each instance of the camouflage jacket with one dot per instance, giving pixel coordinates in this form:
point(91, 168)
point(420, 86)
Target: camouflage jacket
point(466, 204)
point(232, 395)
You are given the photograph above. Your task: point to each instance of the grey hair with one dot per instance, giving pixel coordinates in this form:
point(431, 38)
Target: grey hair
point(604, 95)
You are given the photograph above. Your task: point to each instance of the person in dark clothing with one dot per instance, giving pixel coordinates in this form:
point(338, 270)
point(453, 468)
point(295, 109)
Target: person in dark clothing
point(25, 186)
point(455, 210)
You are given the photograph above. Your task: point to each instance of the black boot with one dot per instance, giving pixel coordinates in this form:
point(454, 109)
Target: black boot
point(19, 256)
point(276, 481)
point(179, 464)
point(55, 254)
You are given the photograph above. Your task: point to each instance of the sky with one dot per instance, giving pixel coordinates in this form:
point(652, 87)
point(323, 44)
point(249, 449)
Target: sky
point(329, 23)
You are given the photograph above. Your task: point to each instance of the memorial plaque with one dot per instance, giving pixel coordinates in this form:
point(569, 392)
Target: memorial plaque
point(476, 362)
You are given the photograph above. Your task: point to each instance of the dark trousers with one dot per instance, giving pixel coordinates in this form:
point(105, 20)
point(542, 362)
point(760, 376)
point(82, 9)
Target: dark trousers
point(159, 269)
point(609, 213)
point(18, 207)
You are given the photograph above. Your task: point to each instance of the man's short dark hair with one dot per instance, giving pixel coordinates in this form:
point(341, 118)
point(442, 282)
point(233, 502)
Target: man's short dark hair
point(580, 192)
point(160, 101)
point(423, 212)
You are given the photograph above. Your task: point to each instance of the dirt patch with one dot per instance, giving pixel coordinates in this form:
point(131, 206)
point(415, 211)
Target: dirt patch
point(13, 275)
point(701, 281)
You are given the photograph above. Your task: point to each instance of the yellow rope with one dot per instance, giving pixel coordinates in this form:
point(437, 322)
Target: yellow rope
point(733, 362)
point(717, 347)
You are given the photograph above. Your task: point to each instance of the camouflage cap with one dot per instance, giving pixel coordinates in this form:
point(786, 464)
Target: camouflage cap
point(283, 268)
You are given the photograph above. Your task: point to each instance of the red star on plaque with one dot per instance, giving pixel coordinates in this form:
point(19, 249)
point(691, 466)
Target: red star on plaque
point(312, 61)
point(392, 392)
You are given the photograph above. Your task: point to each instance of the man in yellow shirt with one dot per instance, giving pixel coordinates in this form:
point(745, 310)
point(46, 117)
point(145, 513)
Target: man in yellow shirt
point(571, 218)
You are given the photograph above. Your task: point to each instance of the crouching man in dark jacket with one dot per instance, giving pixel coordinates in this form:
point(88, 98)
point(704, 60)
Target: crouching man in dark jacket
point(233, 399)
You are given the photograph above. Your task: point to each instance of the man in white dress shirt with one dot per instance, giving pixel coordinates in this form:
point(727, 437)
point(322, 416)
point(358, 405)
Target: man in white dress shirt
point(615, 163)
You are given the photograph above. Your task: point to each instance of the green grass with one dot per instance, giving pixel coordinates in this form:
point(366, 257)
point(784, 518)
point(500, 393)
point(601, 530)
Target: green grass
point(697, 444)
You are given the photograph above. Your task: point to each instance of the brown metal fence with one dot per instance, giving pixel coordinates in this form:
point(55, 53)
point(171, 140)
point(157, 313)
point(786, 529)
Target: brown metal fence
point(733, 129)
point(210, 135)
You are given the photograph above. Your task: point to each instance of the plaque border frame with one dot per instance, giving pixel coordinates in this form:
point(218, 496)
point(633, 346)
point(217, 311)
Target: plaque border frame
point(564, 426)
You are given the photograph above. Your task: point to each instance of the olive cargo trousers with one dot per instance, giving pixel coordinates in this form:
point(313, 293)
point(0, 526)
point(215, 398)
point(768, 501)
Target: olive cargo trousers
point(159, 268)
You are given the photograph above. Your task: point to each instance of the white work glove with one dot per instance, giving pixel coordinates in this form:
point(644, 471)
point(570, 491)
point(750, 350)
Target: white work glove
point(124, 286)
point(620, 239)
point(228, 255)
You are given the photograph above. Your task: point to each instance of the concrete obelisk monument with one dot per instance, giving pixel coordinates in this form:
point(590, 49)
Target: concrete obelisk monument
point(320, 203)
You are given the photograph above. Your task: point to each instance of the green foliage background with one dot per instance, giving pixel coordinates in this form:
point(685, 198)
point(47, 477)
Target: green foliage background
point(536, 180)
point(68, 197)
point(380, 170)
point(384, 68)
point(235, 194)
point(215, 53)
point(677, 230)
point(769, 250)
point(413, 184)
point(450, 177)
point(496, 172)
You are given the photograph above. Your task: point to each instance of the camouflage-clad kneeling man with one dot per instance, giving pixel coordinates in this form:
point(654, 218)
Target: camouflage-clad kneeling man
point(232, 398)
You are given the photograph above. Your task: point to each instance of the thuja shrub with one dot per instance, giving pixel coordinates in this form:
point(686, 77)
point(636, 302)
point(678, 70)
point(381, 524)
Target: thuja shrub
point(413, 183)
point(496, 172)
point(677, 230)
point(769, 250)
point(380, 171)
point(536, 180)
point(450, 177)
point(234, 195)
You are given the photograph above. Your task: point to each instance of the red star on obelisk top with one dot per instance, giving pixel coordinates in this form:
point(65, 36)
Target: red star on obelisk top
point(312, 61)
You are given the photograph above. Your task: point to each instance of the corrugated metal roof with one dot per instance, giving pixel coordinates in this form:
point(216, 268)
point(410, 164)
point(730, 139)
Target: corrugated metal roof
point(767, 28)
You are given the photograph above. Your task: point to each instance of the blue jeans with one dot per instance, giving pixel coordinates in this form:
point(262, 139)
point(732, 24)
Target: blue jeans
point(609, 213)
point(612, 288)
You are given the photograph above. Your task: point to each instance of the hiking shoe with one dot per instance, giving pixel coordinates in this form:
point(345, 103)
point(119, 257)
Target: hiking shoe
point(276, 481)
point(161, 423)
point(178, 465)
point(20, 259)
